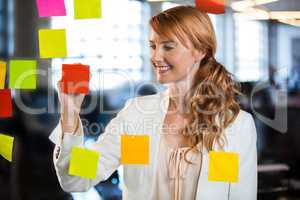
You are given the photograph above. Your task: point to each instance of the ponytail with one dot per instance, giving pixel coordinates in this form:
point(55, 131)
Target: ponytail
point(212, 104)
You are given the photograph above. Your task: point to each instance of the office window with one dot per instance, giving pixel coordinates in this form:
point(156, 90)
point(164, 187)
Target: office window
point(6, 29)
point(114, 46)
point(3, 28)
point(251, 50)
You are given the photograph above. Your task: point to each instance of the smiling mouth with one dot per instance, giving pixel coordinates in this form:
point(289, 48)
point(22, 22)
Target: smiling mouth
point(163, 69)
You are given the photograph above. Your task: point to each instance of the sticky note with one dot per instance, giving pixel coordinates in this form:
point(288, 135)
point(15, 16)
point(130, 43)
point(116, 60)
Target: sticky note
point(84, 9)
point(2, 74)
point(6, 146)
point(48, 8)
point(52, 43)
point(75, 78)
point(5, 103)
point(223, 166)
point(22, 74)
point(84, 163)
point(135, 149)
point(211, 6)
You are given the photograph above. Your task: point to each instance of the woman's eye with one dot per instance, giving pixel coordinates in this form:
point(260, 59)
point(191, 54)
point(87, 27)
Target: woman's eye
point(167, 48)
point(152, 46)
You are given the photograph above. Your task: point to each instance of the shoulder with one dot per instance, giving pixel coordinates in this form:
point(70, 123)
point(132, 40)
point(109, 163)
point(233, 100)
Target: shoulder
point(146, 98)
point(149, 104)
point(244, 129)
point(243, 118)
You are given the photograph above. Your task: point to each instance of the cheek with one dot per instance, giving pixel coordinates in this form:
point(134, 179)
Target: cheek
point(182, 63)
point(151, 57)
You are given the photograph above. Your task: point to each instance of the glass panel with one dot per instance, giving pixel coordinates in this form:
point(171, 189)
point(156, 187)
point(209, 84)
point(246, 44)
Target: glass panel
point(113, 42)
point(249, 50)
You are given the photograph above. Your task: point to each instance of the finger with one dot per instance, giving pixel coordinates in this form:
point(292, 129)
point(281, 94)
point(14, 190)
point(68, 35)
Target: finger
point(79, 99)
point(59, 90)
point(58, 84)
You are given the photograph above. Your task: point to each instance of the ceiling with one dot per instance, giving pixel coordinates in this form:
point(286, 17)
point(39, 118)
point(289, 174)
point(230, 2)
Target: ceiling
point(282, 5)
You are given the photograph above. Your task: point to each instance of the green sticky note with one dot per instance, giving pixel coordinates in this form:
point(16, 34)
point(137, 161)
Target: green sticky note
point(22, 74)
point(84, 163)
point(223, 166)
point(6, 146)
point(86, 9)
point(52, 43)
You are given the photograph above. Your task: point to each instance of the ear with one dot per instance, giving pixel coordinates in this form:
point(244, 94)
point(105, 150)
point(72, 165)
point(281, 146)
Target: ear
point(198, 55)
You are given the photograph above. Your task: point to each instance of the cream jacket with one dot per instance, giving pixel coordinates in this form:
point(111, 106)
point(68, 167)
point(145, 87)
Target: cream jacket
point(144, 115)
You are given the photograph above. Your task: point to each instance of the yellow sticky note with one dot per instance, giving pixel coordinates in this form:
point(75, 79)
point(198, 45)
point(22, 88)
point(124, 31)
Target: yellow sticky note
point(52, 43)
point(84, 9)
point(84, 163)
point(135, 149)
point(2, 74)
point(6, 146)
point(223, 166)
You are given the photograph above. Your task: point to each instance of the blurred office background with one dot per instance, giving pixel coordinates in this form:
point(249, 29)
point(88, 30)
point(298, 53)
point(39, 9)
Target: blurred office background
point(258, 41)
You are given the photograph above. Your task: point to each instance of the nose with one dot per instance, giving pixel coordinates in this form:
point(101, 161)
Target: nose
point(157, 55)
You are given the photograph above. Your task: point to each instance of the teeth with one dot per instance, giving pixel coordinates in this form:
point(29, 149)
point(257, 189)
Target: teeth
point(164, 67)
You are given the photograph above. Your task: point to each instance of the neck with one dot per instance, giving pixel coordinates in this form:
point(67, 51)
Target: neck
point(178, 89)
point(177, 92)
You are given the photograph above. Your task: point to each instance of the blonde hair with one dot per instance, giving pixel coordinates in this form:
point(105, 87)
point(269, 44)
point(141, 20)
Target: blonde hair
point(211, 101)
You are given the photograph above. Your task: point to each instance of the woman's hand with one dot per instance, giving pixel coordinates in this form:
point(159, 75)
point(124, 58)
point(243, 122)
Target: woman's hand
point(70, 109)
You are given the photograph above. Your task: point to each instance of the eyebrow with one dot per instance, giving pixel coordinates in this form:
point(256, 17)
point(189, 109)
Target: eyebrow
point(164, 42)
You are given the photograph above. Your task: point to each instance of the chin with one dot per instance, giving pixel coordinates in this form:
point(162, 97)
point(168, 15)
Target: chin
point(167, 78)
point(164, 80)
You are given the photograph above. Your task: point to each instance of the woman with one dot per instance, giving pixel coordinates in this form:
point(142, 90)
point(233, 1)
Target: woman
point(197, 114)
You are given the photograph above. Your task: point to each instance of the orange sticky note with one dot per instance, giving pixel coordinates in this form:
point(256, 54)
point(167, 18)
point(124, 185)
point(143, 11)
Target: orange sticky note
point(2, 74)
point(75, 78)
point(211, 6)
point(223, 166)
point(135, 149)
point(5, 103)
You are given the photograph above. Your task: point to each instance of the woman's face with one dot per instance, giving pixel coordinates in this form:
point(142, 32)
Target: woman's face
point(172, 61)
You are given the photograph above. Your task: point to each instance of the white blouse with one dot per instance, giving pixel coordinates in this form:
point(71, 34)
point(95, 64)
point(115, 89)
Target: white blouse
point(145, 115)
point(175, 178)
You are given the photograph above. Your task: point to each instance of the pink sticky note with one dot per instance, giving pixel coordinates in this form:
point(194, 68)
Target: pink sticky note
point(48, 8)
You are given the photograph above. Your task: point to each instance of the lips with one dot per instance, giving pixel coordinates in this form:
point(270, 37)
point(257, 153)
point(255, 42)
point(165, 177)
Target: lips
point(163, 69)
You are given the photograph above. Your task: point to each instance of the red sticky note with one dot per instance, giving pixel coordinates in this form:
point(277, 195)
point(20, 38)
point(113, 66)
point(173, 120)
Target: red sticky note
point(75, 78)
point(5, 103)
point(48, 8)
point(211, 6)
